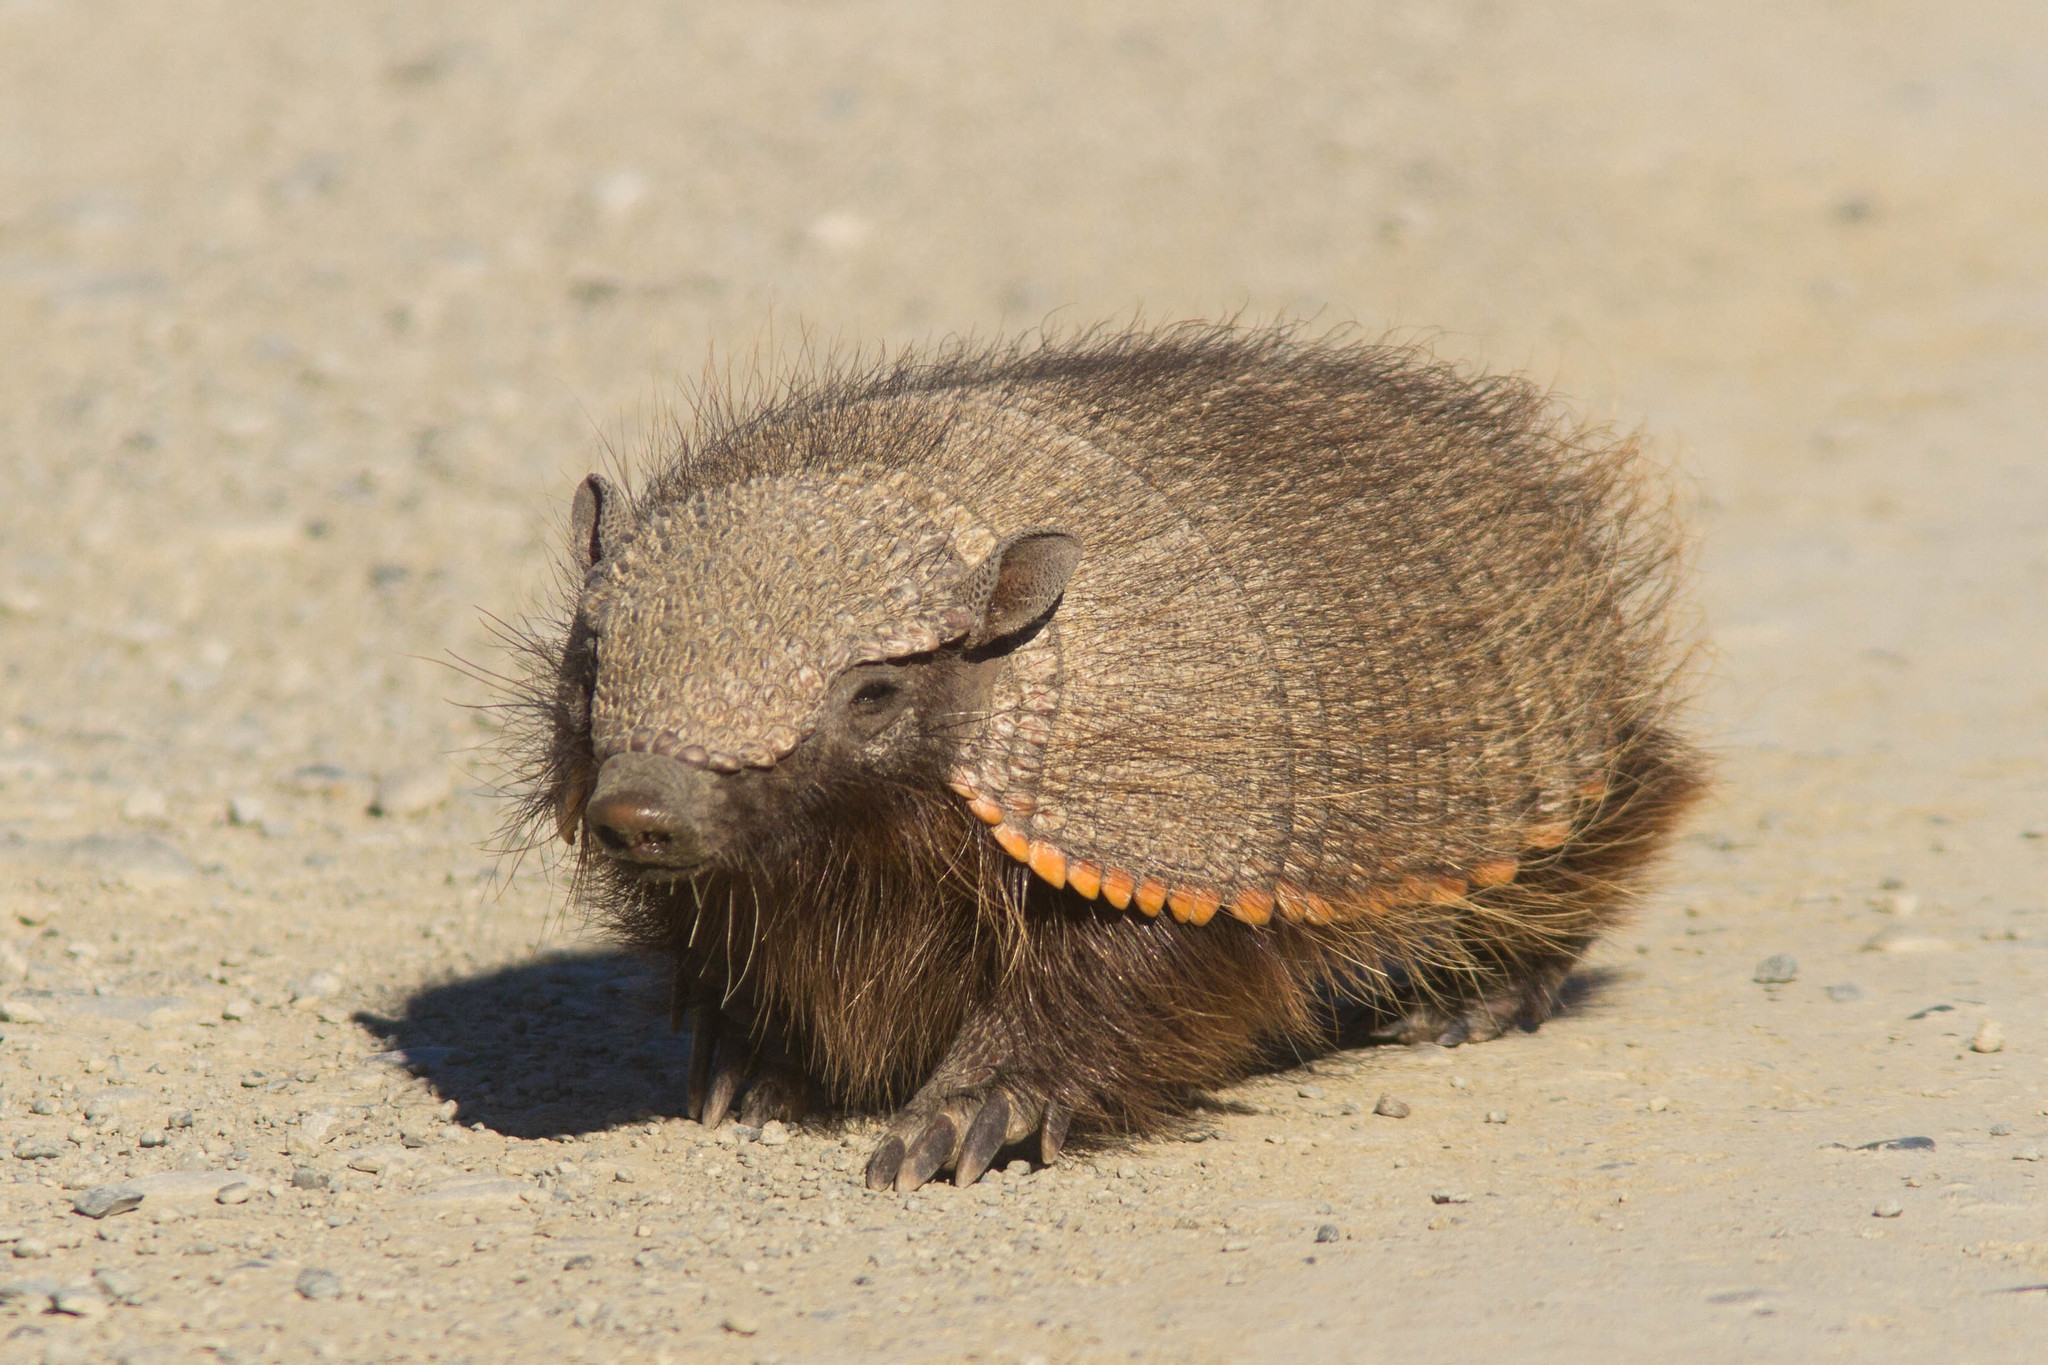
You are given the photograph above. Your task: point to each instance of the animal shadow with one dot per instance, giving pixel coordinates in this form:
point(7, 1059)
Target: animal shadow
point(578, 1042)
point(572, 1043)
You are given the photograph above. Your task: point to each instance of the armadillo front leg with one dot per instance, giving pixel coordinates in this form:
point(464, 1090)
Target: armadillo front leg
point(727, 1063)
point(966, 1113)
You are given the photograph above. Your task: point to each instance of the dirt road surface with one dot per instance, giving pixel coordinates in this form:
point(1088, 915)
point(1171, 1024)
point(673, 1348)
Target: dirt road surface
point(312, 314)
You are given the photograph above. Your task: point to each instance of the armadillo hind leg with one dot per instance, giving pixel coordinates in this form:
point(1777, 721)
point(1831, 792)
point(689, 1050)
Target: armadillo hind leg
point(1521, 1004)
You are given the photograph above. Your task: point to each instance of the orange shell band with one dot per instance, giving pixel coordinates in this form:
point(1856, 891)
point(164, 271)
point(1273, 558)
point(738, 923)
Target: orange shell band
point(1121, 888)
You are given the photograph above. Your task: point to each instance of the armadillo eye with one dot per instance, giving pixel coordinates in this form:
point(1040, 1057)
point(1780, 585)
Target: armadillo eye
point(874, 693)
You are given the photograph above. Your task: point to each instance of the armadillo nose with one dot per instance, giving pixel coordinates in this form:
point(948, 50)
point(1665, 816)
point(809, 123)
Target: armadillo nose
point(640, 821)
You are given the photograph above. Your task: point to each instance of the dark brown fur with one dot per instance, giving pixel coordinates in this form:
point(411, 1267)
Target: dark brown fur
point(879, 937)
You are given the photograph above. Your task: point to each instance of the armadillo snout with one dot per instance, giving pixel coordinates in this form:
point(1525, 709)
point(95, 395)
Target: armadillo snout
point(648, 809)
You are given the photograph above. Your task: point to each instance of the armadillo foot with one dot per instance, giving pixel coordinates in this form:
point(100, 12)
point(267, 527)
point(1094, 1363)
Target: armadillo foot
point(963, 1129)
point(724, 1065)
point(1450, 1023)
point(776, 1092)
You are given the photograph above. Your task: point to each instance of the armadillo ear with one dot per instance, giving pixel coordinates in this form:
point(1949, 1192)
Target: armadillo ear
point(1019, 582)
point(597, 521)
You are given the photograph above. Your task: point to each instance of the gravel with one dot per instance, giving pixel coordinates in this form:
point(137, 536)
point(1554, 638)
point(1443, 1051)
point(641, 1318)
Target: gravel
point(314, 1283)
point(121, 1286)
point(1988, 1038)
point(103, 1201)
point(77, 1302)
point(1776, 970)
point(411, 791)
point(1389, 1107)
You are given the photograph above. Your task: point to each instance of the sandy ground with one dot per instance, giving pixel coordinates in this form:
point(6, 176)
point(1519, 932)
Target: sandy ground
point(312, 315)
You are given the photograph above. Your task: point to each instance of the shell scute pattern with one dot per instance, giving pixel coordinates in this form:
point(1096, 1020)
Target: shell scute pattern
point(1169, 776)
point(792, 579)
point(1266, 693)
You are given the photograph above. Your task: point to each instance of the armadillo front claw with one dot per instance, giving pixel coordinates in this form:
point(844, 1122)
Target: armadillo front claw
point(934, 1148)
point(965, 1132)
point(985, 1135)
point(704, 1032)
point(731, 1060)
point(774, 1093)
point(725, 1065)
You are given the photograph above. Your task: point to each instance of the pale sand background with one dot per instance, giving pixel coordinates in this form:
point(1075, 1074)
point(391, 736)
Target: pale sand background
point(312, 313)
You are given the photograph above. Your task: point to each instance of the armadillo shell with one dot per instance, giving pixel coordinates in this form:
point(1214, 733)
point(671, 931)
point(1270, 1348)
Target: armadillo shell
point(1323, 692)
point(1347, 633)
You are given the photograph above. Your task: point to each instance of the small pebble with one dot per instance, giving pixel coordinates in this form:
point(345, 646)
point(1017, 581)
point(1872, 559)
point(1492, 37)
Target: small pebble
point(236, 1010)
point(235, 1192)
point(245, 810)
point(1990, 1038)
point(2001, 1130)
point(1899, 1144)
point(1448, 1197)
point(1900, 939)
point(1391, 1108)
point(1844, 993)
point(1890, 1208)
point(103, 1201)
point(317, 985)
point(1776, 970)
point(1658, 1104)
point(145, 805)
point(1327, 1232)
point(1237, 1244)
point(122, 1286)
point(583, 1262)
point(77, 1302)
point(1309, 1092)
point(30, 1249)
point(773, 1134)
point(306, 1178)
point(37, 1149)
point(20, 1012)
point(411, 791)
point(318, 1284)
point(740, 1324)
point(1496, 1116)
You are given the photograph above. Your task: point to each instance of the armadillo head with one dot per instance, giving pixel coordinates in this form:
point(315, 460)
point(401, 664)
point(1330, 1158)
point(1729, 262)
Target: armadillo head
point(764, 645)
